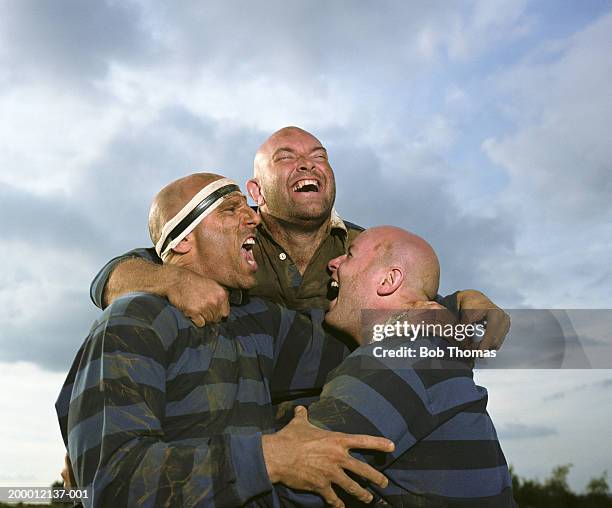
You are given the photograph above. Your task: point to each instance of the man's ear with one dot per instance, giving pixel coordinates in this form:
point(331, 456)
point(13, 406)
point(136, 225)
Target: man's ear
point(254, 190)
point(391, 282)
point(185, 245)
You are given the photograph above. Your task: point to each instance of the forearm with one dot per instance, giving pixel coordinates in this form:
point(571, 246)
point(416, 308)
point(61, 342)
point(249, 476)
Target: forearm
point(135, 274)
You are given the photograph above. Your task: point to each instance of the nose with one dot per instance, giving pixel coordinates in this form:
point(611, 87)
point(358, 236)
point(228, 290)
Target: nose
point(306, 164)
point(335, 263)
point(251, 217)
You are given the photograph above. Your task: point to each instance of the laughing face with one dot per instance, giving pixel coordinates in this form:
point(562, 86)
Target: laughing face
point(296, 181)
point(354, 277)
point(225, 241)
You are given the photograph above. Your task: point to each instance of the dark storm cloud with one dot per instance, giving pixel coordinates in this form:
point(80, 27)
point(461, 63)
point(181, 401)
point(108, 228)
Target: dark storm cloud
point(119, 186)
point(47, 221)
point(51, 338)
point(70, 40)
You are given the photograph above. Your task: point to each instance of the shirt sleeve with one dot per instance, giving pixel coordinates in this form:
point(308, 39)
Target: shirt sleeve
point(116, 440)
point(96, 289)
point(450, 302)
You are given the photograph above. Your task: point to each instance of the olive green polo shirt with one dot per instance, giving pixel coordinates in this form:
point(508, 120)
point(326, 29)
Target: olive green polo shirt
point(278, 277)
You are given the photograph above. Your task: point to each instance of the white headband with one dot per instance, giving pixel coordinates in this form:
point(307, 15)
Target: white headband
point(201, 205)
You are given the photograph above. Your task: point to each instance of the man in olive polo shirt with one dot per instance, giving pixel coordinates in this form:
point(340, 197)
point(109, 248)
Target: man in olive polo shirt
point(294, 188)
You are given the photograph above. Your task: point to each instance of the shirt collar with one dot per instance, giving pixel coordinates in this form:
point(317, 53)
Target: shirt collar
point(335, 221)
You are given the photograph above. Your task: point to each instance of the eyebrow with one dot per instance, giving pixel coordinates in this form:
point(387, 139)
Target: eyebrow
point(231, 198)
point(288, 149)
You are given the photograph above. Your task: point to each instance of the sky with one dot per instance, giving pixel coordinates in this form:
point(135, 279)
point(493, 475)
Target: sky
point(482, 125)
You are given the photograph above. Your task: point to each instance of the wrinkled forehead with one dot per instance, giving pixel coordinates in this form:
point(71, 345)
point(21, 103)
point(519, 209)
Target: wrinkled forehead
point(291, 138)
point(232, 199)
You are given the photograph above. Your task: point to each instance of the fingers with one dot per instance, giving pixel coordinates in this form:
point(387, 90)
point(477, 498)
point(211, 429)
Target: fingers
point(352, 488)
point(225, 308)
point(66, 473)
point(300, 413)
point(468, 316)
point(197, 320)
point(498, 325)
point(367, 442)
point(330, 497)
point(366, 471)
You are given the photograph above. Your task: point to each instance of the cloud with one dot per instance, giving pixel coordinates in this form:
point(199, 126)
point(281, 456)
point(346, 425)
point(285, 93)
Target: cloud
point(559, 152)
point(409, 187)
point(580, 388)
point(69, 41)
point(54, 220)
point(523, 431)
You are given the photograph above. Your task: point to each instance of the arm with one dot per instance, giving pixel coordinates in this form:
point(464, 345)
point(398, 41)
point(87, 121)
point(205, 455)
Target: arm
point(473, 307)
point(117, 443)
point(306, 458)
point(201, 299)
point(98, 287)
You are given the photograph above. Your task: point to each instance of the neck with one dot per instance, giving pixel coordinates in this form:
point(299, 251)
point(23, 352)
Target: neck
point(299, 239)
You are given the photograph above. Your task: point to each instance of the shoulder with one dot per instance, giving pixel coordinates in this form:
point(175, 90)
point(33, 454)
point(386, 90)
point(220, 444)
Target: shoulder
point(425, 364)
point(259, 314)
point(145, 310)
point(352, 230)
point(352, 227)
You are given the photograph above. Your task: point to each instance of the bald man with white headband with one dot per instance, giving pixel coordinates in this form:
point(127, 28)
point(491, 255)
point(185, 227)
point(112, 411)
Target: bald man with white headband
point(201, 205)
point(158, 412)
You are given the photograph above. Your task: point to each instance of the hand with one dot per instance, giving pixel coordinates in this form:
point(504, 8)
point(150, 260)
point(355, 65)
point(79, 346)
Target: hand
point(201, 299)
point(475, 307)
point(429, 312)
point(304, 457)
point(67, 474)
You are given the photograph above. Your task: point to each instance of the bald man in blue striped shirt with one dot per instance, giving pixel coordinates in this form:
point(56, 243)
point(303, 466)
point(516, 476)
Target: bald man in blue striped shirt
point(447, 453)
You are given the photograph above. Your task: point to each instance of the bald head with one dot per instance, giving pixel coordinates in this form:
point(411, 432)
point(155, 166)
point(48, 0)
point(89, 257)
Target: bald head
point(411, 254)
point(290, 157)
point(262, 156)
point(386, 268)
point(173, 197)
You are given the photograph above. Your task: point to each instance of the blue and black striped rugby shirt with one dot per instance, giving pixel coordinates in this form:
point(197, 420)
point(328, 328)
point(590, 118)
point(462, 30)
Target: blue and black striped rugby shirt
point(446, 449)
point(158, 412)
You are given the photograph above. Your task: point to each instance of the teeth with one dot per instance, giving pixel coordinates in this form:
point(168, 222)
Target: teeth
point(302, 183)
point(334, 284)
point(249, 241)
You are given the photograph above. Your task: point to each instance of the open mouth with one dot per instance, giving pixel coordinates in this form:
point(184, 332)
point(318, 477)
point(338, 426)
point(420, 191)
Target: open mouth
point(247, 251)
point(332, 291)
point(308, 185)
